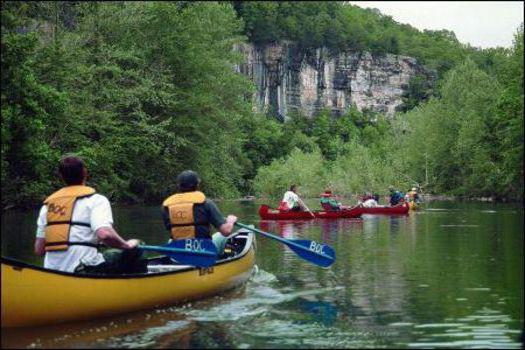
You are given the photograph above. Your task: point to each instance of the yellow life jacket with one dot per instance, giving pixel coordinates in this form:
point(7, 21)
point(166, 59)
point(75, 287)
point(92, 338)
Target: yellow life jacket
point(180, 211)
point(412, 194)
point(60, 207)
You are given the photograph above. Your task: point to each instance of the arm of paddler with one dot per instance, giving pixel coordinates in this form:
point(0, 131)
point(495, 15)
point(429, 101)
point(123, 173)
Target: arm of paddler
point(225, 226)
point(102, 225)
point(111, 238)
point(39, 246)
point(166, 218)
point(40, 240)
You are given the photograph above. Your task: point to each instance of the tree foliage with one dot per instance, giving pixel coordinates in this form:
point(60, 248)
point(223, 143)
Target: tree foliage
point(145, 90)
point(141, 90)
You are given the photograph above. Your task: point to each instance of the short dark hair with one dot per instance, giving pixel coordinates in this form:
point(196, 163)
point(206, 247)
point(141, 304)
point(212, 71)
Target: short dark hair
point(188, 181)
point(71, 169)
point(292, 187)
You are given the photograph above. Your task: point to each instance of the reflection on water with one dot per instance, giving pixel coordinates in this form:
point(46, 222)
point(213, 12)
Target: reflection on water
point(448, 276)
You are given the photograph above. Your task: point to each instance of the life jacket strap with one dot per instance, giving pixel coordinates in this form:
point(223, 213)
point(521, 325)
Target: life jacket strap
point(87, 244)
point(78, 223)
point(191, 224)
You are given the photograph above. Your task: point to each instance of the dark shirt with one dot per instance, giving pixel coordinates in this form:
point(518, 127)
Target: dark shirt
point(206, 213)
point(395, 197)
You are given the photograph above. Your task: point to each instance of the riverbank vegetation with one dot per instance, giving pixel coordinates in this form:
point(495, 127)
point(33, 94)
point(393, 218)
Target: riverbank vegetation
point(143, 91)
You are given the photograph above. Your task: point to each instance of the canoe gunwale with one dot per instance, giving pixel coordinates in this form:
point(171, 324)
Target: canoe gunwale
point(19, 265)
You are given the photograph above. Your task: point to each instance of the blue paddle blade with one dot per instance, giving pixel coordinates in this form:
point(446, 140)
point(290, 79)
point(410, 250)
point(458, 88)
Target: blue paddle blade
point(198, 252)
point(195, 252)
point(316, 253)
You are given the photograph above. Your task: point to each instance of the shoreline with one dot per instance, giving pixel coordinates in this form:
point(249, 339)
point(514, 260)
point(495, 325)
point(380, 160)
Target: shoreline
point(424, 197)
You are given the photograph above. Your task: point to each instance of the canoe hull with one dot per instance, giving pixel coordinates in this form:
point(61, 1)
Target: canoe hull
point(267, 213)
point(34, 296)
point(398, 210)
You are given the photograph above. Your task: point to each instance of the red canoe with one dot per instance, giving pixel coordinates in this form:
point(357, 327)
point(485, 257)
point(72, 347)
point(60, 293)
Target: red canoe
point(397, 210)
point(267, 213)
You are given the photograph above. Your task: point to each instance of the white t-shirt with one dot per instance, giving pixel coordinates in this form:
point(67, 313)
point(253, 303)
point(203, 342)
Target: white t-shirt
point(290, 198)
point(370, 203)
point(95, 210)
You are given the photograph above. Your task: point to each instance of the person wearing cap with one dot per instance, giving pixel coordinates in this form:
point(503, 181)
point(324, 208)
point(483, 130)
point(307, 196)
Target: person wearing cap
point(328, 202)
point(189, 214)
point(74, 220)
point(412, 195)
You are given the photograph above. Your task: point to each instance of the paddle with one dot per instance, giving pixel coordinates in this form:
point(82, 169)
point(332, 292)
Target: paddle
point(195, 252)
point(316, 253)
point(308, 210)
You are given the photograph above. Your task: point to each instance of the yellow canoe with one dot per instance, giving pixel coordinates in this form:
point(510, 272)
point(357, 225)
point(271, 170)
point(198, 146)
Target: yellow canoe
point(33, 296)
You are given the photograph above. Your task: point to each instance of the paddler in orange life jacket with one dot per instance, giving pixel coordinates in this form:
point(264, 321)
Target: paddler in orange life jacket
point(189, 214)
point(74, 220)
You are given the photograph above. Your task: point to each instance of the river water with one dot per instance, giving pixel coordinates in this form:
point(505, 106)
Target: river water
point(447, 276)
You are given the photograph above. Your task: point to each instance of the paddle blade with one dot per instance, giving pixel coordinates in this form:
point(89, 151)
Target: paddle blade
point(198, 252)
point(316, 253)
point(195, 252)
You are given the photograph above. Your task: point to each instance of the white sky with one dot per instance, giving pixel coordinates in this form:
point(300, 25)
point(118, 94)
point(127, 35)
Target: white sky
point(479, 23)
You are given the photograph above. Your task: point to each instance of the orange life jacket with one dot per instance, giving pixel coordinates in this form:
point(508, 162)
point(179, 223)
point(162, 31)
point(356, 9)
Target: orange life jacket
point(283, 206)
point(60, 206)
point(180, 211)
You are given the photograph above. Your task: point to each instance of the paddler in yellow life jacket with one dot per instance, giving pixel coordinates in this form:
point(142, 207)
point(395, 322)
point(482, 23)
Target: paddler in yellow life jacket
point(74, 220)
point(412, 195)
point(189, 214)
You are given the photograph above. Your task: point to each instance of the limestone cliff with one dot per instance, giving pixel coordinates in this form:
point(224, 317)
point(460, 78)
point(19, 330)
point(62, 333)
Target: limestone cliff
point(289, 79)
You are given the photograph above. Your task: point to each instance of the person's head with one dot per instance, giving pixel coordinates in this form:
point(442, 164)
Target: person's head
point(293, 188)
point(391, 189)
point(414, 189)
point(188, 181)
point(72, 170)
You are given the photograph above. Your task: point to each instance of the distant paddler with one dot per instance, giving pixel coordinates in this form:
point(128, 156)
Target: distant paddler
point(329, 202)
point(369, 201)
point(396, 197)
point(74, 220)
point(412, 195)
point(189, 214)
point(412, 198)
point(292, 202)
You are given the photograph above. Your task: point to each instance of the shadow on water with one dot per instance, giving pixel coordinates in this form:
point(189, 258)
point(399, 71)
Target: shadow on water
point(448, 276)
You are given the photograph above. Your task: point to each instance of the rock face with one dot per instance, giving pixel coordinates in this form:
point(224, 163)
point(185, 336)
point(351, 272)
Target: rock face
point(289, 80)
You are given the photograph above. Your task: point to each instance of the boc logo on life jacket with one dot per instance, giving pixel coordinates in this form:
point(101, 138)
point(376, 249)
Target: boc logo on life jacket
point(56, 209)
point(180, 214)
